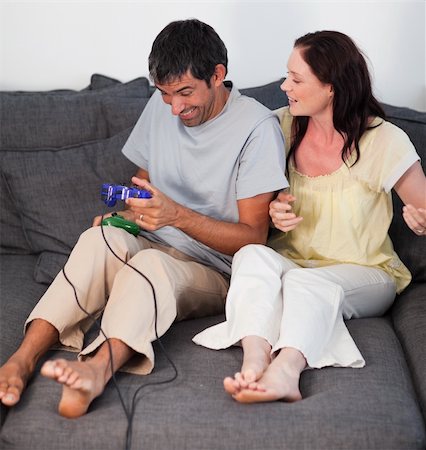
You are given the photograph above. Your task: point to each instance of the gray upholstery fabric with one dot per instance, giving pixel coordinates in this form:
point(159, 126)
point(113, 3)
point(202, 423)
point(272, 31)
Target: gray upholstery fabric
point(65, 184)
point(31, 120)
point(55, 191)
point(409, 309)
point(48, 265)
point(99, 81)
point(12, 238)
point(269, 94)
point(19, 294)
point(194, 412)
point(53, 120)
point(122, 113)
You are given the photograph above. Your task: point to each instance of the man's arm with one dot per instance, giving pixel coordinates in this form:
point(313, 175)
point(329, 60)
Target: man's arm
point(225, 237)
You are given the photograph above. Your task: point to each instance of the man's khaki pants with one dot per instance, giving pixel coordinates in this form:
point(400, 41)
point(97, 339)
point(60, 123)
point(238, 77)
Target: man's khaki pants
point(183, 288)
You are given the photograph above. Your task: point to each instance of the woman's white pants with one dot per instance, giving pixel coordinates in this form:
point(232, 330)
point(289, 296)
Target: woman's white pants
point(303, 308)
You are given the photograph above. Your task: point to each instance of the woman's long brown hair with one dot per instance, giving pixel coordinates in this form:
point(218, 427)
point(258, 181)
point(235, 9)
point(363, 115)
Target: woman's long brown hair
point(335, 59)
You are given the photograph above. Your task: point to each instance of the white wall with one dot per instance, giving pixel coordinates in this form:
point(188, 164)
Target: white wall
point(59, 44)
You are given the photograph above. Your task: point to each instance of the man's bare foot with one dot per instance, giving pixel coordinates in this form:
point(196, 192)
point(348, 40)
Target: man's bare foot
point(14, 375)
point(280, 381)
point(81, 384)
point(257, 358)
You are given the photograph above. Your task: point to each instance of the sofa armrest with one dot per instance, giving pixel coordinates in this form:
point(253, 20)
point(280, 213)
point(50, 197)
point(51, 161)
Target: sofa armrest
point(409, 319)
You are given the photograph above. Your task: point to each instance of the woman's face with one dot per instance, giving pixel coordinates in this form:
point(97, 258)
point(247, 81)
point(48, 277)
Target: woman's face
point(307, 95)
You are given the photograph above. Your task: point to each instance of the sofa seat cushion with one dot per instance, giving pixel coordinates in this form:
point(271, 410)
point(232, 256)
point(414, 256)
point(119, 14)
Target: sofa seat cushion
point(57, 190)
point(373, 407)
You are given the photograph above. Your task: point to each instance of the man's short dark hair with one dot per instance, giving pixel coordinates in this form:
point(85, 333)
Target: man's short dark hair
point(186, 45)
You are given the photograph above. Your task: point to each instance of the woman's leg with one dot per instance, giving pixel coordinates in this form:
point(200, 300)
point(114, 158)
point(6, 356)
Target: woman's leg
point(313, 330)
point(280, 380)
point(253, 312)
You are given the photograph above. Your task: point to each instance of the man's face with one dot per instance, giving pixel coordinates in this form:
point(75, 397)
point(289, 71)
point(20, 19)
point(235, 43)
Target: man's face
point(192, 100)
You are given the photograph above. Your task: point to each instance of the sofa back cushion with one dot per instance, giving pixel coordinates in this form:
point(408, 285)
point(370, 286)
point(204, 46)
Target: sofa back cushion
point(57, 191)
point(58, 118)
point(44, 121)
point(410, 248)
point(121, 113)
point(269, 94)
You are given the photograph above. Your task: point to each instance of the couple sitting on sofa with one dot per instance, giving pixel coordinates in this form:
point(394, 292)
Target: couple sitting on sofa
point(213, 168)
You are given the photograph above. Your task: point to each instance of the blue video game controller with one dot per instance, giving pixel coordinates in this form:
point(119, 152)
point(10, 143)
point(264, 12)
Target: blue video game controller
point(110, 193)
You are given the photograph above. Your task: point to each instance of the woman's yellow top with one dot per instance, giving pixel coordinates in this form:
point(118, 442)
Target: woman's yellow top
point(347, 214)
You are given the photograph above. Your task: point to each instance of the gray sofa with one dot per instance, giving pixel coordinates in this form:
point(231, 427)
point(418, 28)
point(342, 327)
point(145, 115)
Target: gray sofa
point(56, 148)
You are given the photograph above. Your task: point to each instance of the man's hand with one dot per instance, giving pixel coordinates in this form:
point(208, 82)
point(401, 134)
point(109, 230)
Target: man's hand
point(280, 212)
point(154, 213)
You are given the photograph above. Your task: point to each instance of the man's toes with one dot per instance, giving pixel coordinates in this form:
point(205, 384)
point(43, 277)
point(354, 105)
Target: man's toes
point(65, 373)
point(72, 379)
point(48, 369)
point(11, 396)
point(54, 368)
point(3, 388)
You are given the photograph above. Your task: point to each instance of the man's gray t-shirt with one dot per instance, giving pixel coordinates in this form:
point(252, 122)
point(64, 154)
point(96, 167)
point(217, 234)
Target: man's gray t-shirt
point(236, 155)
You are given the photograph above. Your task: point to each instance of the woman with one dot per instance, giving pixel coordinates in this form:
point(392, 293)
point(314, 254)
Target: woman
point(333, 259)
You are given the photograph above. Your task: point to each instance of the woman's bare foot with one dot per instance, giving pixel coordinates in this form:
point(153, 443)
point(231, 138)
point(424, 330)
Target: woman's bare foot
point(81, 381)
point(280, 381)
point(14, 375)
point(257, 357)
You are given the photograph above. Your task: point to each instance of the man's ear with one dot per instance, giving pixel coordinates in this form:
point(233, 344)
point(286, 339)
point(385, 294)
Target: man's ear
point(219, 74)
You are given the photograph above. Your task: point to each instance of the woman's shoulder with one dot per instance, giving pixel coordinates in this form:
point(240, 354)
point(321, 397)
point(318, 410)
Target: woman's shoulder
point(383, 129)
point(383, 148)
point(283, 114)
point(286, 120)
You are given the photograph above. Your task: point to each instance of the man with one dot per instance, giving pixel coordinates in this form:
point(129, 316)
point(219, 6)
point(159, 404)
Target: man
point(212, 167)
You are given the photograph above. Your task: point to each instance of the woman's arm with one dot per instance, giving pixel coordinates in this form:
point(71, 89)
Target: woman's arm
point(411, 189)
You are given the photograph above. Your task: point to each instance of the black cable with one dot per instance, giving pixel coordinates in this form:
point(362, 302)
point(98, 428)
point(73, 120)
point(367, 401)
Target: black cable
point(96, 321)
point(129, 413)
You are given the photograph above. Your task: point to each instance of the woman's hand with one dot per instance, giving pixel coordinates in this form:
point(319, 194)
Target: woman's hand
point(415, 219)
point(280, 212)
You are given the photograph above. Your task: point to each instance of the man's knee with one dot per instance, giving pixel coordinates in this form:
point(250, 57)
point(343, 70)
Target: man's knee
point(152, 261)
point(97, 236)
